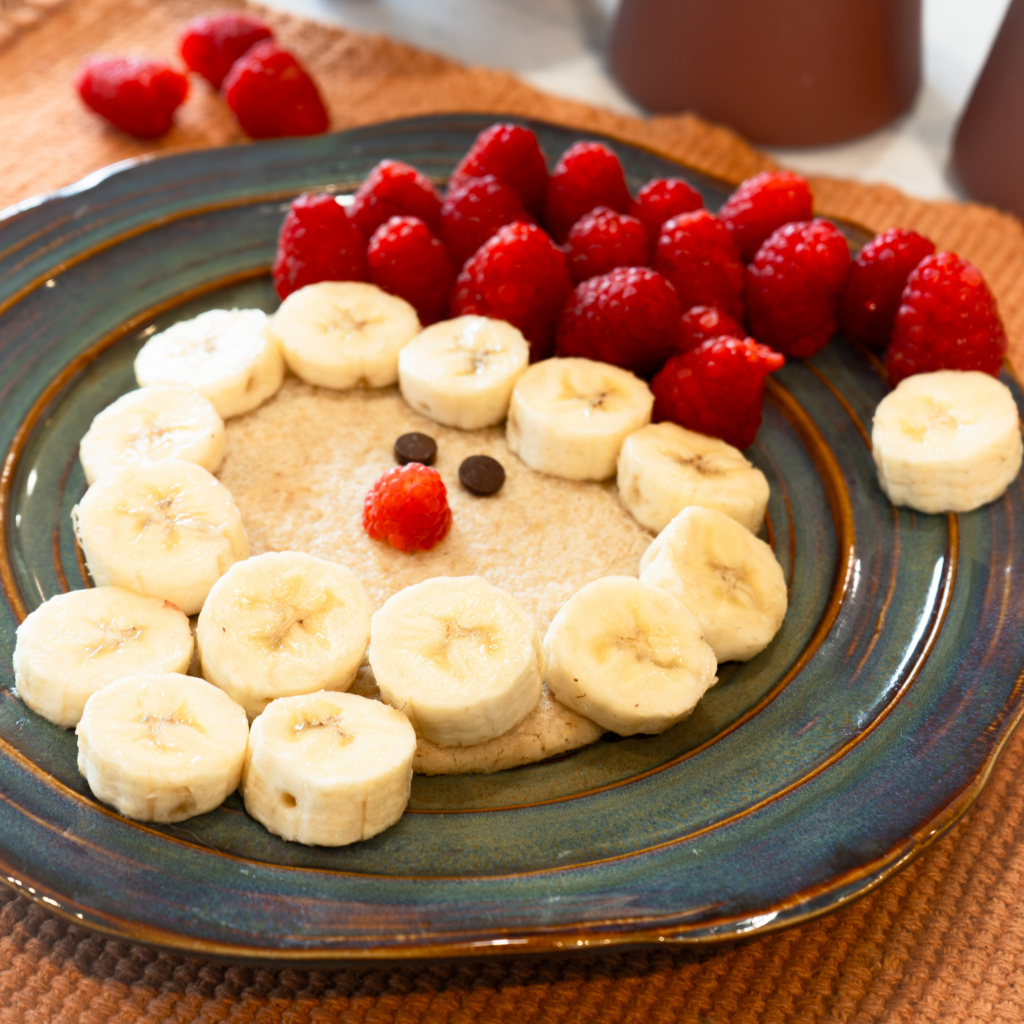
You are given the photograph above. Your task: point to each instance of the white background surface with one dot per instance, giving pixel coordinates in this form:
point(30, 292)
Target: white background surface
point(558, 46)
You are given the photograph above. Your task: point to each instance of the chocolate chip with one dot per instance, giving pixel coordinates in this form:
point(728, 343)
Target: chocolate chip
point(415, 448)
point(481, 474)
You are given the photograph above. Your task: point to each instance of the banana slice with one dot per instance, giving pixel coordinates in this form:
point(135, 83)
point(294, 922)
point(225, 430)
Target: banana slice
point(337, 334)
point(76, 643)
point(168, 530)
point(725, 575)
point(569, 417)
point(948, 441)
point(164, 421)
point(628, 656)
point(461, 372)
point(162, 747)
point(664, 467)
point(281, 624)
point(226, 354)
point(458, 657)
point(328, 769)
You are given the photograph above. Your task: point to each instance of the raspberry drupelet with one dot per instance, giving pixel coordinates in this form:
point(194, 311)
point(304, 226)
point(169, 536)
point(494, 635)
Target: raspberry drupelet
point(394, 189)
point(408, 508)
point(602, 240)
point(513, 155)
point(473, 210)
point(588, 175)
point(135, 94)
point(761, 205)
point(211, 43)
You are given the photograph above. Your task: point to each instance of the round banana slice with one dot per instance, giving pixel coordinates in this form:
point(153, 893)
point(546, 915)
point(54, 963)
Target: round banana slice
point(461, 372)
point(168, 530)
point(628, 656)
point(76, 643)
point(458, 657)
point(337, 334)
point(664, 467)
point(569, 417)
point(226, 354)
point(327, 769)
point(948, 441)
point(162, 747)
point(280, 624)
point(725, 575)
point(164, 421)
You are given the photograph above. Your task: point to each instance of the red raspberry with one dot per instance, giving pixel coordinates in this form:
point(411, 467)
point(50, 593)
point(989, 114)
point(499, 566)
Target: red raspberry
point(793, 287)
point(662, 199)
point(317, 242)
point(394, 189)
point(716, 389)
point(408, 508)
point(871, 296)
point(473, 210)
point(629, 317)
point(947, 320)
point(761, 205)
point(272, 95)
point(588, 175)
point(518, 275)
point(135, 94)
point(602, 240)
point(513, 155)
point(697, 254)
point(211, 43)
point(702, 323)
point(405, 259)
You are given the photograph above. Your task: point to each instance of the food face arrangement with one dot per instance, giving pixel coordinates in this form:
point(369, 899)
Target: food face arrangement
point(574, 352)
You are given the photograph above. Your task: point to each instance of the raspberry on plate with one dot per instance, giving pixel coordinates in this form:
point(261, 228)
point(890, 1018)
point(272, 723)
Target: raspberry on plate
point(272, 95)
point(660, 200)
point(135, 94)
point(717, 389)
point(588, 175)
point(394, 189)
point(702, 323)
point(473, 210)
point(871, 296)
point(407, 260)
point(211, 43)
point(629, 317)
point(947, 320)
point(793, 287)
point(697, 254)
point(513, 155)
point(317, 242)
point(518, 275)
point(602, 240)
point(408, 508)
point(763, 204)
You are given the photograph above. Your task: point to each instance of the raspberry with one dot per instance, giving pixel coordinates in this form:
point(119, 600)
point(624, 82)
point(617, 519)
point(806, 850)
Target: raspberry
point(211, 43)
point(588, 175)
point(793, 287)
point(947, 320)
point(603, 240)
point(473, 210)
point(662, 199)
point(405, 259)
point(135, 94)
point(518, 275)
point(716, 389)
point(317, 242)
point(394, 189)
point(271, 94)
point(696, 253)
point(761, 205)
point(702, 323)
point(408, 508)
point(628, 317)
point(868, 303)
point(512, 154)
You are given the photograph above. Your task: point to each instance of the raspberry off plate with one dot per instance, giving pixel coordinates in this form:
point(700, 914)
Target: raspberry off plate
point(805, 777)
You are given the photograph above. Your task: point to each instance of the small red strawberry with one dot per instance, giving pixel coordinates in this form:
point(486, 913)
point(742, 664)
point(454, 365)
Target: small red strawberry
point(513, 155)
point(702, 323)
point(211, 43)
point(588, 175)
point(473, 210)
point(761, 205)
point(408, 508)
point(394, 189)
point(135, 94)
point(660, 200)
point(602, 240)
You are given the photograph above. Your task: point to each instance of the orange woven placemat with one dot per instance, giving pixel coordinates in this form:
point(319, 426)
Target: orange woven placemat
point(943, 941)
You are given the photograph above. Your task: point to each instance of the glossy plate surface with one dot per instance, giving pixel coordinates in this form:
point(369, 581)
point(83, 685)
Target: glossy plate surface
point(804, 777)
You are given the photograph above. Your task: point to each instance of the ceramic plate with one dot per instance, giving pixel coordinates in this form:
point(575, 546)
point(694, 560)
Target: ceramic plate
point(804, 778)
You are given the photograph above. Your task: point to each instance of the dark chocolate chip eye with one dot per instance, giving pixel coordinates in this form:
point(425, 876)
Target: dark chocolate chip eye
point(481, 474)
point(415, 448)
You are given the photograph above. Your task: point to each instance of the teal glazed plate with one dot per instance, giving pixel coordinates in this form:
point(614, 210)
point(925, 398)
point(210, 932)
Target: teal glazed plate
point(803, 779)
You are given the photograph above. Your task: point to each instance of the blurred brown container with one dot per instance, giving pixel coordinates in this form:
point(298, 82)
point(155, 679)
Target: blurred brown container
point(781, 72)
